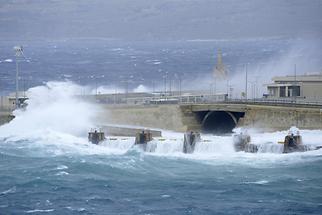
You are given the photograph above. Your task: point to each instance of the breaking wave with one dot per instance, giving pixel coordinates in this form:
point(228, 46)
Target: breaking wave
point(50, 167)
point(57, 122)
point(54, 115)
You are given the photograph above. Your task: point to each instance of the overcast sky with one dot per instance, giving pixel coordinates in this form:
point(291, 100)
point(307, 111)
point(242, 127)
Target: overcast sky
point(159, 19)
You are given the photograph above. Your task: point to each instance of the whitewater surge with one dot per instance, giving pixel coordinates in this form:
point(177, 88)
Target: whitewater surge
point(57, 122)
point(54, 118)
point(48, 166)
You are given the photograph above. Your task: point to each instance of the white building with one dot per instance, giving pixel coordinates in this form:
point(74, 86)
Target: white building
point(304, 86)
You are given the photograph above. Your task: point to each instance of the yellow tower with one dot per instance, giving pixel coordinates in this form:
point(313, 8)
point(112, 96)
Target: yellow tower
point(220, 71)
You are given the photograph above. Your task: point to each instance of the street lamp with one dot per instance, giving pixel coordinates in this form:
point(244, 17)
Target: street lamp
point(19, 52)
point(177, 76)
point(246, 80)
point(165, 84)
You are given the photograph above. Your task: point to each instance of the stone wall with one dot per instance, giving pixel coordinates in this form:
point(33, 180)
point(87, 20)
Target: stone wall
point(183, 118)
point(5, 117)
point(281, 118)
point(169, 117)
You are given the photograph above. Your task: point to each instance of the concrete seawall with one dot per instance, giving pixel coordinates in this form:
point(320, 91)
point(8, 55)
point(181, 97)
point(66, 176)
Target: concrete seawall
point(5, 117)
point(185, 117)
point(167, 117)
point(182, 118)
point(5, 110)
point(280, 118)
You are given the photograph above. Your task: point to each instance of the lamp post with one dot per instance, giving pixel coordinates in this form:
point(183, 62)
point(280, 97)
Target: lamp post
point(294, 93)
point(231, 89)
point(246, 81)
point(153, 87)
point(19, 52)
point(165, 84)
point(256, 86)
point(180, 87)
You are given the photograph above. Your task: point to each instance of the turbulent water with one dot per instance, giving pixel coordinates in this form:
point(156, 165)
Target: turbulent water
point(48, 167)
point(111, 63)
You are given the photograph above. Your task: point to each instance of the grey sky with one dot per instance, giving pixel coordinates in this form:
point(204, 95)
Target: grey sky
point(159, 20)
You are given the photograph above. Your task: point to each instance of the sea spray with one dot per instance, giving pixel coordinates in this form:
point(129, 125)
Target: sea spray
point(56, 116)
point(54, 110)
point(48, 168)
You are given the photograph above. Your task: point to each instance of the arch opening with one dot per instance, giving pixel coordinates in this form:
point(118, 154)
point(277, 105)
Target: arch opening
point(218, 122)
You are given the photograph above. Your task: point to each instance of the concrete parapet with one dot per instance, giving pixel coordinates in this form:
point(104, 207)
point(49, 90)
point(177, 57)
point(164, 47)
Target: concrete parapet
point(219, 107)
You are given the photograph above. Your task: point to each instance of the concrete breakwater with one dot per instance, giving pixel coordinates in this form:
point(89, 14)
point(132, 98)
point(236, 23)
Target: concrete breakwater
point(6, 108)
point(220, 117)
point(5, 117)
point(167, 117)
point(280, 118)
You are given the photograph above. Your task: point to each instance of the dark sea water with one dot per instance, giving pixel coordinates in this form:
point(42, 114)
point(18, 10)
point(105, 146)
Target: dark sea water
point(47, 165)
point(59, 179)
point(112, 62)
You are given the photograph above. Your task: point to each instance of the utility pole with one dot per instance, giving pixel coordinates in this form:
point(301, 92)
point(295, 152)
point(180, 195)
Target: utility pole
point(165, 84)
point(246, 82)
point(180, 80)
point(153, 87)
point(252, 88)
point(230, 91)
point(19, 52)
point(256, 86)
point(170, 86)
point(295, 87)
point(126, 88)
point(96, 87)
point(215, 90)
point(211, 89)
point(227, 86)
point(24, 87)
point(295, 72)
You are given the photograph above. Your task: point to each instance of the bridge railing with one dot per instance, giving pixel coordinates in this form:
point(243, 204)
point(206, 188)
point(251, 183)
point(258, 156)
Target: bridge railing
point(204, 99)
point(283, 102)
point(184, 99)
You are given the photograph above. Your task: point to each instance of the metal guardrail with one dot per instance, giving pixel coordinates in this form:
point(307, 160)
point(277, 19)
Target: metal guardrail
point(160, 100)
point(279, 102)
point(211, 99)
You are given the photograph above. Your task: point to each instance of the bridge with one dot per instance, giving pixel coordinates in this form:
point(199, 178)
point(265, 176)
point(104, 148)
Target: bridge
point(203, 112)
point(213, 113)
point(215, 118)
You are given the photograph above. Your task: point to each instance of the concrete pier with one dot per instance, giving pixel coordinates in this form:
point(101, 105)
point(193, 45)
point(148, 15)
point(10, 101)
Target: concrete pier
point(222, 117)
point(5, 117)
point(168, 117)
point(203, 114)
point(6, 108)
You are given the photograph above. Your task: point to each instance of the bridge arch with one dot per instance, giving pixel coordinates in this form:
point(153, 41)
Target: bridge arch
point(219, 121)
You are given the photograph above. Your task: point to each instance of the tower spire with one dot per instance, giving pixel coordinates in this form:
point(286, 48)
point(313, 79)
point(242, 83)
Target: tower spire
point(220, 71)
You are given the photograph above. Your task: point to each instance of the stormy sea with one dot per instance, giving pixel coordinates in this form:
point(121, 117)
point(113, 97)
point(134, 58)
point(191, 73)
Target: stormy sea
point(49, 167)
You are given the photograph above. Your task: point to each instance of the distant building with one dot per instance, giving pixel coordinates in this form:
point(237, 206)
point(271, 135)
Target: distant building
point(302, 86)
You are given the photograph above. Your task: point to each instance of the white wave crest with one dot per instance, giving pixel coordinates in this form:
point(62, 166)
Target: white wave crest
point(54, 115)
